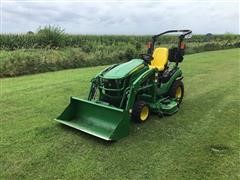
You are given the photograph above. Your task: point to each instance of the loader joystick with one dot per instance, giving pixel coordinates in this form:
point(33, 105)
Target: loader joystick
point(147, 58)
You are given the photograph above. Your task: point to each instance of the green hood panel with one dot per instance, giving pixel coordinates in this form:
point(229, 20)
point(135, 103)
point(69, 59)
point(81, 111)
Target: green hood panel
point(124, 69)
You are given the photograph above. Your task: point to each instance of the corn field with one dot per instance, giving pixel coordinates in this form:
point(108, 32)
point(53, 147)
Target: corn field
point(50, 49)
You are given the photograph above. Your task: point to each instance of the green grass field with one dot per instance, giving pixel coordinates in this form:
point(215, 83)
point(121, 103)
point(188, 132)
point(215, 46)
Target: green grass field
point(201, 141)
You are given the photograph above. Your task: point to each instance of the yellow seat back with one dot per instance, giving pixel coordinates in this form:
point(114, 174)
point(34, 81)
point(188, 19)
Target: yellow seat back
point(160, 58)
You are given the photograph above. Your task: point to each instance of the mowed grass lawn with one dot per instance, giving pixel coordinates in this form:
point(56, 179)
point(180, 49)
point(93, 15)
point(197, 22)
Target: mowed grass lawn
point(201, 141)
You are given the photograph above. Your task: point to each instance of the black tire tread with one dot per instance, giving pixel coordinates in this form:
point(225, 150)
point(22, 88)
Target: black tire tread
point(136, 111)
point(172, 91)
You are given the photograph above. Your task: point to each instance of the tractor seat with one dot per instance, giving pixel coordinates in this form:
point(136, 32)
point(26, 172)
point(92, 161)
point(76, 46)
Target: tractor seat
point(160, 58)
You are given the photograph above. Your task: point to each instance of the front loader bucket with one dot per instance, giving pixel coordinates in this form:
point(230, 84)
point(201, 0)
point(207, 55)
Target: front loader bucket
point(100, 120)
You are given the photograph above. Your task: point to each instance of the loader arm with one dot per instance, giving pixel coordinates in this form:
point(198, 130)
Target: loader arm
point(136, 86)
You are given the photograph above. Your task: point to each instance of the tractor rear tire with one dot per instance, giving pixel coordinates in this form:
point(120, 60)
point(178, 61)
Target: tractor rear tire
point(177, 91)
point(140, 112)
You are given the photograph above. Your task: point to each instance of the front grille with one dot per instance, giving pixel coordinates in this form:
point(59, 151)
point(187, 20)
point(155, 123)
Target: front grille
point(110, 84)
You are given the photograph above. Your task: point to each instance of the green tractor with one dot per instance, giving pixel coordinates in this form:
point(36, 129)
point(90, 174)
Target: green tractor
point(130, 91)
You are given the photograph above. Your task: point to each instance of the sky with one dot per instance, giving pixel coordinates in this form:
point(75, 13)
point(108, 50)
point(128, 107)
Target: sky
point(121, 16)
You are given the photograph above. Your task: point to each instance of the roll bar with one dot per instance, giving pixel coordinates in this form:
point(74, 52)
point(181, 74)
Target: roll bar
point(185, 32)
point(181, 37)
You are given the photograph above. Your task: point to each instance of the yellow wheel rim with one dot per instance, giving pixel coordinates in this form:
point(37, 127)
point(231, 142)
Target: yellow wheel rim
point(178, 92)
point(144, 113)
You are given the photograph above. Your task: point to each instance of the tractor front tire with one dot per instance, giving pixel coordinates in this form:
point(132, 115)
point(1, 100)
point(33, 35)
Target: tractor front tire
point(140, 112)
point(177, 91)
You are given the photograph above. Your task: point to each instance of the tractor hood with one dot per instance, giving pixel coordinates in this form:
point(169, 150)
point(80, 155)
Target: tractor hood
point(125, 69)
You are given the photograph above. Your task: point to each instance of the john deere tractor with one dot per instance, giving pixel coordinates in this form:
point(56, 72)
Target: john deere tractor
point(130, 91)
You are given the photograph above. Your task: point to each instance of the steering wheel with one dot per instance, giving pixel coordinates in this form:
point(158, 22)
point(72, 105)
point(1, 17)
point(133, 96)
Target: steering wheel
point(146, 57)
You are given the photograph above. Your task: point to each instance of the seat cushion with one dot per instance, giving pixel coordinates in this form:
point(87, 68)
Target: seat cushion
point(160, 59)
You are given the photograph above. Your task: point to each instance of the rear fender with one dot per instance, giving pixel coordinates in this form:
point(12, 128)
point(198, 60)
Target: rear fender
point(166, 86)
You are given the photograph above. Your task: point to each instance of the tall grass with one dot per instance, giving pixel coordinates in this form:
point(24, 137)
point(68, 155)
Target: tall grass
point(50, 36)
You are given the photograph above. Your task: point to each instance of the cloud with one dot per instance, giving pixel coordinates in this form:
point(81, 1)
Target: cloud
point(121, 17)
